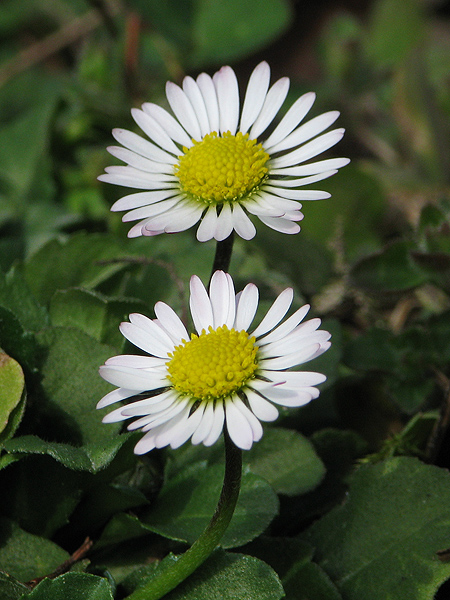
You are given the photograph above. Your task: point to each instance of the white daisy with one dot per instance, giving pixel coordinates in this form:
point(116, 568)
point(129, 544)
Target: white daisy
point(224, 375)
point(210, 164)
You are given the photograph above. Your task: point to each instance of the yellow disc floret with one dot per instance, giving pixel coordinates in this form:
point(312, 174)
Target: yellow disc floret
point(222, 169)
point(214, 364)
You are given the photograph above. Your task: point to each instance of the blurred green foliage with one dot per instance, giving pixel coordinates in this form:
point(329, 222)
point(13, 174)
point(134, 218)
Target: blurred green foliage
point(373, 261)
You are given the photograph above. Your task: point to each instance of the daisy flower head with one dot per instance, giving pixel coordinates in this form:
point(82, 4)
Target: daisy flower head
point(209, 161)
point(227, 374)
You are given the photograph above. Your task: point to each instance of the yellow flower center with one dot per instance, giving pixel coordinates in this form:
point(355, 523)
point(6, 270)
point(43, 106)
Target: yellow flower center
point(219, 169)
point(214, 364)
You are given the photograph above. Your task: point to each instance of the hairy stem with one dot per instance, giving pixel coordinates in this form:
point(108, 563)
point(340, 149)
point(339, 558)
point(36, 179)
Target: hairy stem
point(188, 562)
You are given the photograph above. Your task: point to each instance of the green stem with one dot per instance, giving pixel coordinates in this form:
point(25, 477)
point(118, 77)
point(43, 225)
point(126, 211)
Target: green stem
point(223, 254)
point(188, 562)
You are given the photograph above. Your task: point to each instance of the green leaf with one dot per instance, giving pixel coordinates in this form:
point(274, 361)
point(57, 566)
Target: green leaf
point(91, 312)
point(26, 556)
point(396, 521)
point(10, 588)
point(391, 270)
point(16, 296)
point(91, 457)
point(17, 342)
point(19, 160)
point(73, 386)
point(225, 576)
point(71, 586)
point(225, 31)
point(287, 460)
point(75, 261)
point(187, 502)
point(12, 396)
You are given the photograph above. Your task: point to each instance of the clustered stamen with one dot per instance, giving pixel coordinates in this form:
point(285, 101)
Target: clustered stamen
point(219, 169)
point(213, 365)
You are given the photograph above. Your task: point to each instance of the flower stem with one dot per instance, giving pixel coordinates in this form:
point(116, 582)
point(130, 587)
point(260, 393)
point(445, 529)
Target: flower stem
point(223, 254)
point(188, 562)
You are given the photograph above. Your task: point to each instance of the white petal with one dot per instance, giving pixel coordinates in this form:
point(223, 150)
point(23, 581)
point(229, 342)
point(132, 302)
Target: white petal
point(228, 98)
point(133, 379)
point(257, 207)
point(194, 94)
point(205, 426)
point(155, 132)
point(150, 406)
point(138, 144)
point(297, 194)
point(182, 108)
point(287, 397)
point(115, 396)
point(272, 104)
point(153, 344)
point(313, 148)
point(185, 430)
point(151, 210)
point(150, 327)
point(238, 427)
point(172, 413)
point(222, 297)
point(138, 229)
point(319, 166)
point(290, 344)
point(136, 361)
point(301, 180)
point(140, 199)
point(217, 426)
point(280, 224)
point(208, 90)
point(169, 319)
point(247, 305)
point(207, 228)
point(282, 330)
point(224, 224)
point(168, 123)
point(242, 224)
point(252, 420)
point(255, 95)
point(139, 162)
point(200, 305)
point(295, 378)
point(290, 360)
point(178, 219)
point(307, 131)
point(268, 200)
point(134, 178)
point(262, 408)
point(291, 119)
point(275, 313)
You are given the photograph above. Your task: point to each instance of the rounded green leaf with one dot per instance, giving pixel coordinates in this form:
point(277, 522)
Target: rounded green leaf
point(287, 460)
point(26, 556)
point(385, 540)
point(12, 395)
point(226, 576)
point(71, 586)
point(187, 503)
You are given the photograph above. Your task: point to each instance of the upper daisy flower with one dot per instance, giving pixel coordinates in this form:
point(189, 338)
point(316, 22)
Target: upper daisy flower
point(210, 163)
point(190, 387)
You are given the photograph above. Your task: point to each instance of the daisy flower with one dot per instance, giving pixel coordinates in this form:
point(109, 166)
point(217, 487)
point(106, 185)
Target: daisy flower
point(221, 376)
point(209, 163)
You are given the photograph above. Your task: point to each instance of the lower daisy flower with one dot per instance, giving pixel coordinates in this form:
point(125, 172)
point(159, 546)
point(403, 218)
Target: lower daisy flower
point(222, 376)
point(212, 164)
